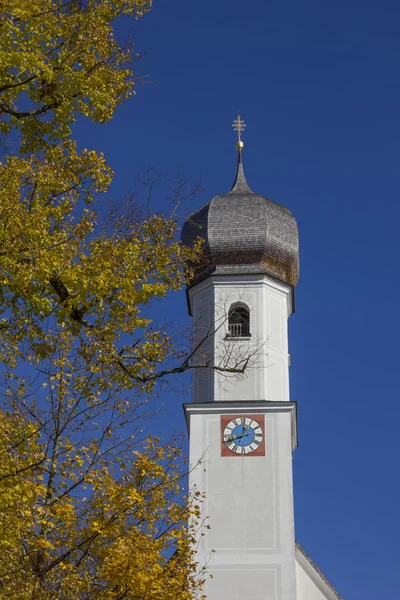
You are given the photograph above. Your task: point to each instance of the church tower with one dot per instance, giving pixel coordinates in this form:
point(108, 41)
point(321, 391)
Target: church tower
point(242, 422)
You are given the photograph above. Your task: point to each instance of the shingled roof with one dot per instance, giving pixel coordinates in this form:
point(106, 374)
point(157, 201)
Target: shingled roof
point(244, 232)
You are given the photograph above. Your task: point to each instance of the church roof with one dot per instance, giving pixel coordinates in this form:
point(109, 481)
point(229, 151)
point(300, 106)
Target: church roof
point(244, 232)
point(316, 574)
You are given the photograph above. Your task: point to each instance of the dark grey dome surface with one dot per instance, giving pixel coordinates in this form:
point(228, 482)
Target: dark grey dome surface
point(244, 232)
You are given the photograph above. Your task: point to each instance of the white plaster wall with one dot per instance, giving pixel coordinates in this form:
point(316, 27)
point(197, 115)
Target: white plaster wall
point(202, 300)
point(233, 485)
point(243, 582)
point(267, 374)
point(249, 548)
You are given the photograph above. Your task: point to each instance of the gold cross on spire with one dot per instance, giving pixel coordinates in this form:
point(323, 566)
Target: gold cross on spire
point(239, 126)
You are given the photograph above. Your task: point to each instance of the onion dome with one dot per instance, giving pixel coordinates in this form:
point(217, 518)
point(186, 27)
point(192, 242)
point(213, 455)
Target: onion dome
point(244, 233)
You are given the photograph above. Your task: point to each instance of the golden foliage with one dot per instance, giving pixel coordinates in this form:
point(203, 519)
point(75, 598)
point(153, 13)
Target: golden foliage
point(88, 507)
point(62, 55)
point(123, 536)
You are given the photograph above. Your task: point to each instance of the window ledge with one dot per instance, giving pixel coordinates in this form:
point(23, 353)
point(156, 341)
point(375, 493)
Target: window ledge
point(237, 337)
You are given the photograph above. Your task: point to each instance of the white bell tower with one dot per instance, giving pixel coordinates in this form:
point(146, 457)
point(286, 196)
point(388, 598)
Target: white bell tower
point(243, 426)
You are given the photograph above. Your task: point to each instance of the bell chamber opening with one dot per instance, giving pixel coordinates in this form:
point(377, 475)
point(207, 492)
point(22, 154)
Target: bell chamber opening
point(239, 321)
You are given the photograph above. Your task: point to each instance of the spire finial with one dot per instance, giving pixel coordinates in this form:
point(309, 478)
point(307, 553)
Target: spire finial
point(239, 126)
point(240, 185)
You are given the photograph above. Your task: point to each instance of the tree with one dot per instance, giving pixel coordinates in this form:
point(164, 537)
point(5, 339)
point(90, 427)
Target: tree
point(90, 506)
point(114, 542)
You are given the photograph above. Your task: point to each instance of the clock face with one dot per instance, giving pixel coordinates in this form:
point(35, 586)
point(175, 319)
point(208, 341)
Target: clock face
point(243, 435)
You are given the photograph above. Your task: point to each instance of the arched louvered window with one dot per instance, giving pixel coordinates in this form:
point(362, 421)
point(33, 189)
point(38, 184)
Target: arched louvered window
point(239, 321)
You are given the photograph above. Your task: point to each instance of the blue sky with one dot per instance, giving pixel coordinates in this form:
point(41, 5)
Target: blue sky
point(319, 85)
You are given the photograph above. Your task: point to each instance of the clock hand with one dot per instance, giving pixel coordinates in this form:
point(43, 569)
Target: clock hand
point(244, 432)
point(232, 439)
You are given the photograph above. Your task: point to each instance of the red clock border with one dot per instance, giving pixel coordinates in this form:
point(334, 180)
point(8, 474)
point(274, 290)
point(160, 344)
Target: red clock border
point(224, 422)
